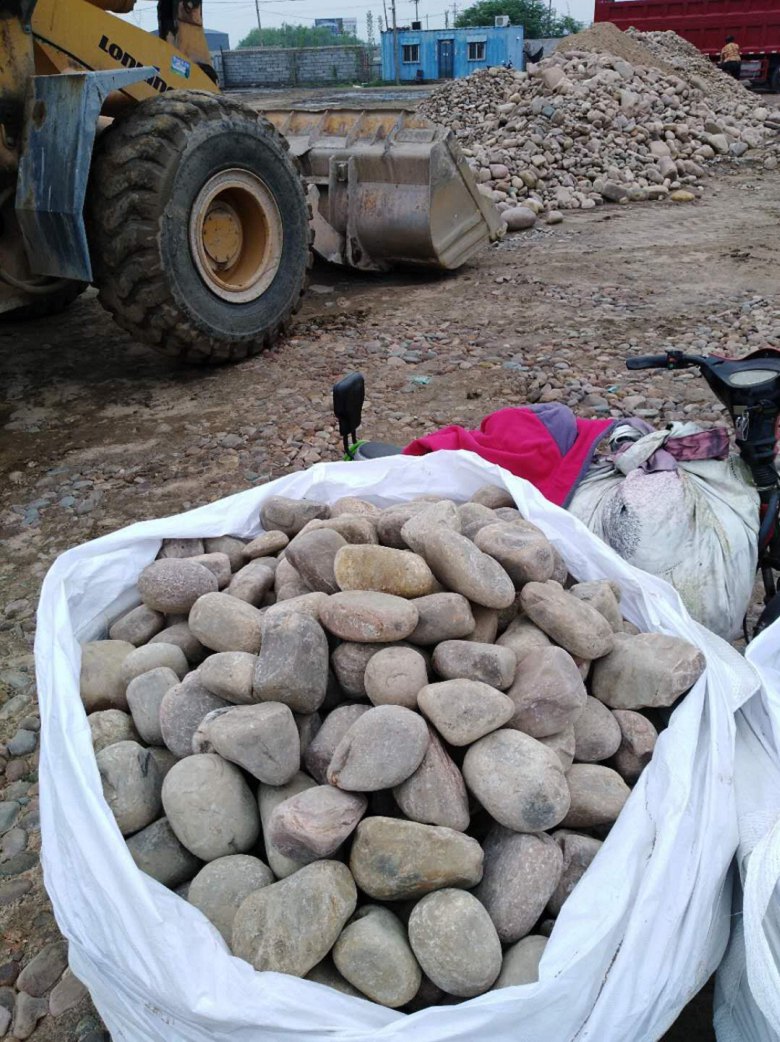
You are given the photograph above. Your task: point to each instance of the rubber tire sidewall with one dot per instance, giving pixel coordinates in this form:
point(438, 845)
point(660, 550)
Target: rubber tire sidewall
point(774, 80)
point(209, 150)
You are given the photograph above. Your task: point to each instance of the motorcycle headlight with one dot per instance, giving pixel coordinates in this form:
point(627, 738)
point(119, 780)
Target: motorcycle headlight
point(750, 377)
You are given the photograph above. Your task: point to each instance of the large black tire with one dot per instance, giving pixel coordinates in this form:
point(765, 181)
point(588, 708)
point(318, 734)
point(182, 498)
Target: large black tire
point(46, 304)
point(148, 170)
point(775, 79)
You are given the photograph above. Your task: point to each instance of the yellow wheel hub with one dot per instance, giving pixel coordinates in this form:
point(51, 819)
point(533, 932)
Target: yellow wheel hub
point(223, 235)
point(236, 235)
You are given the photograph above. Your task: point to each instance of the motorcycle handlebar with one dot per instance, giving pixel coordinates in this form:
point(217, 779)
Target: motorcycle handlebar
point(671, 360)
point(648, 362)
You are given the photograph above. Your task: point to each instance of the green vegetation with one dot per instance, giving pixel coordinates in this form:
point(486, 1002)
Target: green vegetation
point(535, 16)
point(297, 36)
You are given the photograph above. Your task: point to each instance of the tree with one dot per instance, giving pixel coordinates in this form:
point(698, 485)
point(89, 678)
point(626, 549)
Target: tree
point(536, 17)
point(567, 25)
point(370, 30)
point(297, 36)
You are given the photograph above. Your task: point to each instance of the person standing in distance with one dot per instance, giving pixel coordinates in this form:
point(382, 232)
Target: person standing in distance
point(731, 58)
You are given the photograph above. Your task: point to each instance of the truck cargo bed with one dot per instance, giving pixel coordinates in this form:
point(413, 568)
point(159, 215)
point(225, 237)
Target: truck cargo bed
point(754, 23)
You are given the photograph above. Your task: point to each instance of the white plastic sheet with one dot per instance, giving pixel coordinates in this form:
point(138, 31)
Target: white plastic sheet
point(748, 995)
point(644, 930)
point(696, 526)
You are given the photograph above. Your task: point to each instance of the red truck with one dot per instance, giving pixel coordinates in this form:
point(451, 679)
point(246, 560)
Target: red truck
point(755, 24)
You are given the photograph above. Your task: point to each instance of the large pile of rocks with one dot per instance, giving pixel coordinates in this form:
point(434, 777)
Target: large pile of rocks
point(606, 38)
point(582, 128)
point(688, 61)
point(362, 744)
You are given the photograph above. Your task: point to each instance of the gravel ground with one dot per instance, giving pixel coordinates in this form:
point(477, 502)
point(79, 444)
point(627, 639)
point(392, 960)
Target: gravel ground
point(98, 432)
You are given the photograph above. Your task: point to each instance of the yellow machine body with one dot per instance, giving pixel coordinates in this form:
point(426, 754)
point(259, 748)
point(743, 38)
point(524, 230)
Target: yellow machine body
point(76, 36)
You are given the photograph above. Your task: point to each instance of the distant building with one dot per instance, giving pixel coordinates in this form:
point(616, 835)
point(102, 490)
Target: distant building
point(338, 26)
point(446, 54)
point(217, 40)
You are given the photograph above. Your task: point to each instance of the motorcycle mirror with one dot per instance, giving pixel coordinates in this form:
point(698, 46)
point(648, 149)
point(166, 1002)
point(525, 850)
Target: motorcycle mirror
point(348, 397)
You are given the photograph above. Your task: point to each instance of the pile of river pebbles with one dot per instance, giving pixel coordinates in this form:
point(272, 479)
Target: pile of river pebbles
point(582, 128)
point(377, 748)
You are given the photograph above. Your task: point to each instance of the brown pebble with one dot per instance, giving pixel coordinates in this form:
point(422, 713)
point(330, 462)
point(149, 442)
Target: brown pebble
point(16, 770)
point(368, 617)
point(9, 971)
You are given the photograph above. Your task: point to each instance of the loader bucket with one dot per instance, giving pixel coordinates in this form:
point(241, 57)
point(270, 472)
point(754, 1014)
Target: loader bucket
point(388, 188)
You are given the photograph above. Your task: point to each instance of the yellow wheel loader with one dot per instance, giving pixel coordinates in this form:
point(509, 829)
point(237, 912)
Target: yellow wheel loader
point(122, 165)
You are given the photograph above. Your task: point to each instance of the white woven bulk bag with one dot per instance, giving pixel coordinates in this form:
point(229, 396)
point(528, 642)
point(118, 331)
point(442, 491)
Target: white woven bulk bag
point(643, 931)
point(748, 993)
point(695, 526)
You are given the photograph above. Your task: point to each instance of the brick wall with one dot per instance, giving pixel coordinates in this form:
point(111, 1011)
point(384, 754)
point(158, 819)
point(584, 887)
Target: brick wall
point(304, 66)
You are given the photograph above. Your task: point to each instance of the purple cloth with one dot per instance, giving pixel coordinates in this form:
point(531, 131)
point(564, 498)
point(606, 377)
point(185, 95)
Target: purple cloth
point(560, 424)
point(712, 443)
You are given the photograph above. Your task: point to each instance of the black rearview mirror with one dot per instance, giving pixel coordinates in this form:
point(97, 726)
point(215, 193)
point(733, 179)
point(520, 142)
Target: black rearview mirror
point(348, 397)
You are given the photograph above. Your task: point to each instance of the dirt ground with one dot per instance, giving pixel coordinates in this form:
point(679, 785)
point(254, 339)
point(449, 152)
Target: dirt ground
point(99, 432)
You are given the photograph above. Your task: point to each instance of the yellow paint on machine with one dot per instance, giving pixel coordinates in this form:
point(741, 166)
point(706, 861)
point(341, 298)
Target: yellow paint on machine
point(17, 64)
point(75, 35)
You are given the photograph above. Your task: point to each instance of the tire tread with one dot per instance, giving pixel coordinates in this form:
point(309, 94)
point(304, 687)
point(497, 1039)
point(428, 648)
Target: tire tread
point(132, 161)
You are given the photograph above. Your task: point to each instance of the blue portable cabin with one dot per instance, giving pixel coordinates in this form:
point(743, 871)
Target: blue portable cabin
point(445, 54)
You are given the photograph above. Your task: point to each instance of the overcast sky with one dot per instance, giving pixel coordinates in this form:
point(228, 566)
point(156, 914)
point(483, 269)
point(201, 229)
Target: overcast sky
point(237, 17)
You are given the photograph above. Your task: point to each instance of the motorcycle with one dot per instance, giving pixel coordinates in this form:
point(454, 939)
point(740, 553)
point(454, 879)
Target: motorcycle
point(748, 387)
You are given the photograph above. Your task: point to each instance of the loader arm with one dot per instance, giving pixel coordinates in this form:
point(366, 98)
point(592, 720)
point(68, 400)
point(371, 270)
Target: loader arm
point(74, 35)
point(180, 22)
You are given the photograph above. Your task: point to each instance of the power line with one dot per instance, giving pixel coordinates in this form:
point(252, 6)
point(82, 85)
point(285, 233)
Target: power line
point(307, 14)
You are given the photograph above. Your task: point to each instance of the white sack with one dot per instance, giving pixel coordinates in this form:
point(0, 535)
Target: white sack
point(696, 526)
point(644, 930)
point(748, 994)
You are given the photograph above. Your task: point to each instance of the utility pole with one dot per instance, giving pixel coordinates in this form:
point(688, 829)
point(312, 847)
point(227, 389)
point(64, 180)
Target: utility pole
point(454, 15)
point(417, 10)
point(447, 18)
point(259, 26)
point(426, 22)
point(396, 62)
